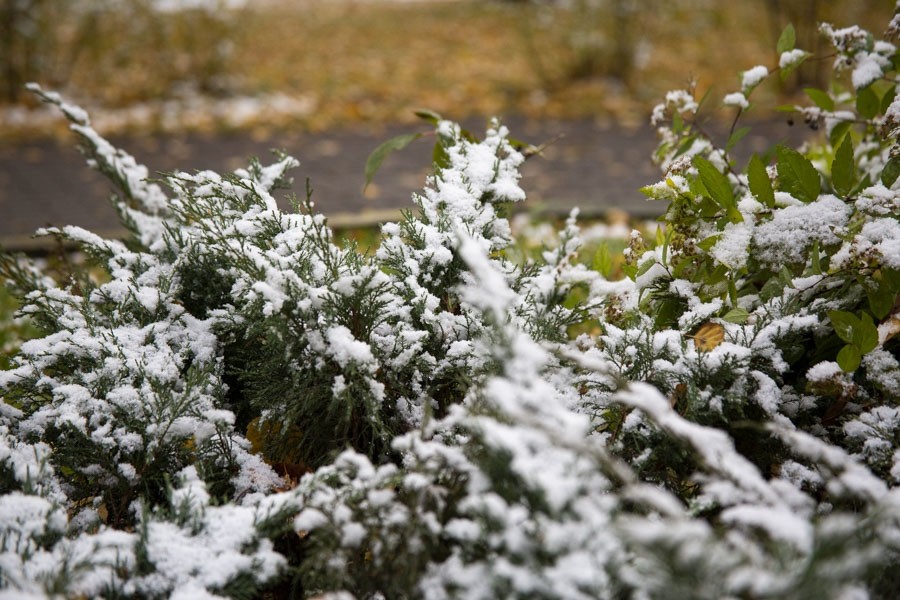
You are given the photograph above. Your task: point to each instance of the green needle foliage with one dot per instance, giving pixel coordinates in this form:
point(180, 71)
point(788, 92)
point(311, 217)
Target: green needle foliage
point(230, 404)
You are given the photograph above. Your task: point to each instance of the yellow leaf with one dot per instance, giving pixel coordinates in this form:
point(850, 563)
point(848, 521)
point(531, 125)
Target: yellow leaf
point(888, 329)
point(255, 435)
point(288, 467)
point(709, 336)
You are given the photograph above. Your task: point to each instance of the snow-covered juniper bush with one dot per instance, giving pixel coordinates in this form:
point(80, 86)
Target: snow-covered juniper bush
point(228, 403)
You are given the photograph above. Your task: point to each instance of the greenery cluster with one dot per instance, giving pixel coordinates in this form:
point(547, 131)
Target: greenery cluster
point(230, 404)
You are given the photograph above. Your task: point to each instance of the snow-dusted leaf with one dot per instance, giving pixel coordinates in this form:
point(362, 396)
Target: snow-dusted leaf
point(797, 175)
point(846, 325)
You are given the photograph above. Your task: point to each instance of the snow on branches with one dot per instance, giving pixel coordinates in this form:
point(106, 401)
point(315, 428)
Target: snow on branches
point(230, 403)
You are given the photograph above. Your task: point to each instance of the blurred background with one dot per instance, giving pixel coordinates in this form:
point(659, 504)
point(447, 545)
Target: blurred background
point(159, 73)
point(314, 64)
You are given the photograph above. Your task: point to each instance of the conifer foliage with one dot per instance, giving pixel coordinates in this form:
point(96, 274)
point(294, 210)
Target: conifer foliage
point(230, 404)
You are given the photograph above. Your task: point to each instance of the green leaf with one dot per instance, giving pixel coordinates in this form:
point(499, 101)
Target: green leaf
point(732, 291)
point(736, 315)
point(698, 192)
point(787, 40)
point(866, 182)
point(867, 334)
point(718, 186)
point(888, 99)
point(861, 334)
point(684, 265)
point(797, 174)
point(735, 137)
point(717, 276)
point(603, 261)
point(686, 144)
point(838, 132)
point(523, 146)
point(667, 311)
point(439, 157)
point(881, 300)
point(821, 99)
point(843, 168)
point(645, 266)
point(867, 103)
point(849, 358)
point(845, 324)
point(664, 255)
point(891, 171)
point(891, 278)
point(649, 191)
point(700, 103)
point(468, 136)
point(661, 236)
point(786, 275)
point(815, 259)
point(677, 123)
point(771, 289)
point(428, 115)
point(373, 163)
point(707, 243)
point(707, 208)
point(760, 184)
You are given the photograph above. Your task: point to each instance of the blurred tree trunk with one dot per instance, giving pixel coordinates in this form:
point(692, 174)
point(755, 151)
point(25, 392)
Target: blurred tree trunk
point(10, 16)
point(805, 15)
point(23, 43)
point(623, 40)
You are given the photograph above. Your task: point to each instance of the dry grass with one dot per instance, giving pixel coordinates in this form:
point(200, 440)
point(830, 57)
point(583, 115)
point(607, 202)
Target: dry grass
point(376, 62)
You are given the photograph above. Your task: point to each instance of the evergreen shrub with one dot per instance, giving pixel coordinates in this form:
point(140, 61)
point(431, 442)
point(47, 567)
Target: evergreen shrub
point(229, 404)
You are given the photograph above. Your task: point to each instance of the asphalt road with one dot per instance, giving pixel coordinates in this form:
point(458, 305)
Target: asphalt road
point(587, 164)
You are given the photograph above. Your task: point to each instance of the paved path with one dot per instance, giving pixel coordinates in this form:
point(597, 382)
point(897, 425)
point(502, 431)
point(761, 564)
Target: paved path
point(593, 166)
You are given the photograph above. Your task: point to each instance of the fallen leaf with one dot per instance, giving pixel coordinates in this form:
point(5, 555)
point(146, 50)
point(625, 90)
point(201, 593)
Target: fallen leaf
point(888, 329)
point(678, 395)
point(709, 336)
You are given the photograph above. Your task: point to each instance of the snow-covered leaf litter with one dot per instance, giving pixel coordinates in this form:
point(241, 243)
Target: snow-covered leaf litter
point(459, 444)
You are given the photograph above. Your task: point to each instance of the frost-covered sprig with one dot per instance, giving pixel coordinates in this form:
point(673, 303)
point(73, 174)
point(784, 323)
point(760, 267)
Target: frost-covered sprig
point(126, 385)
point(545, 288)
point(452, 498)
point(557, 535)
point(724, 414)
point(143, 206)
point(467, 194)
point(744, 318)
point(310, 324)
point(373, 345)
point(867, 58)
point(187, 547)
